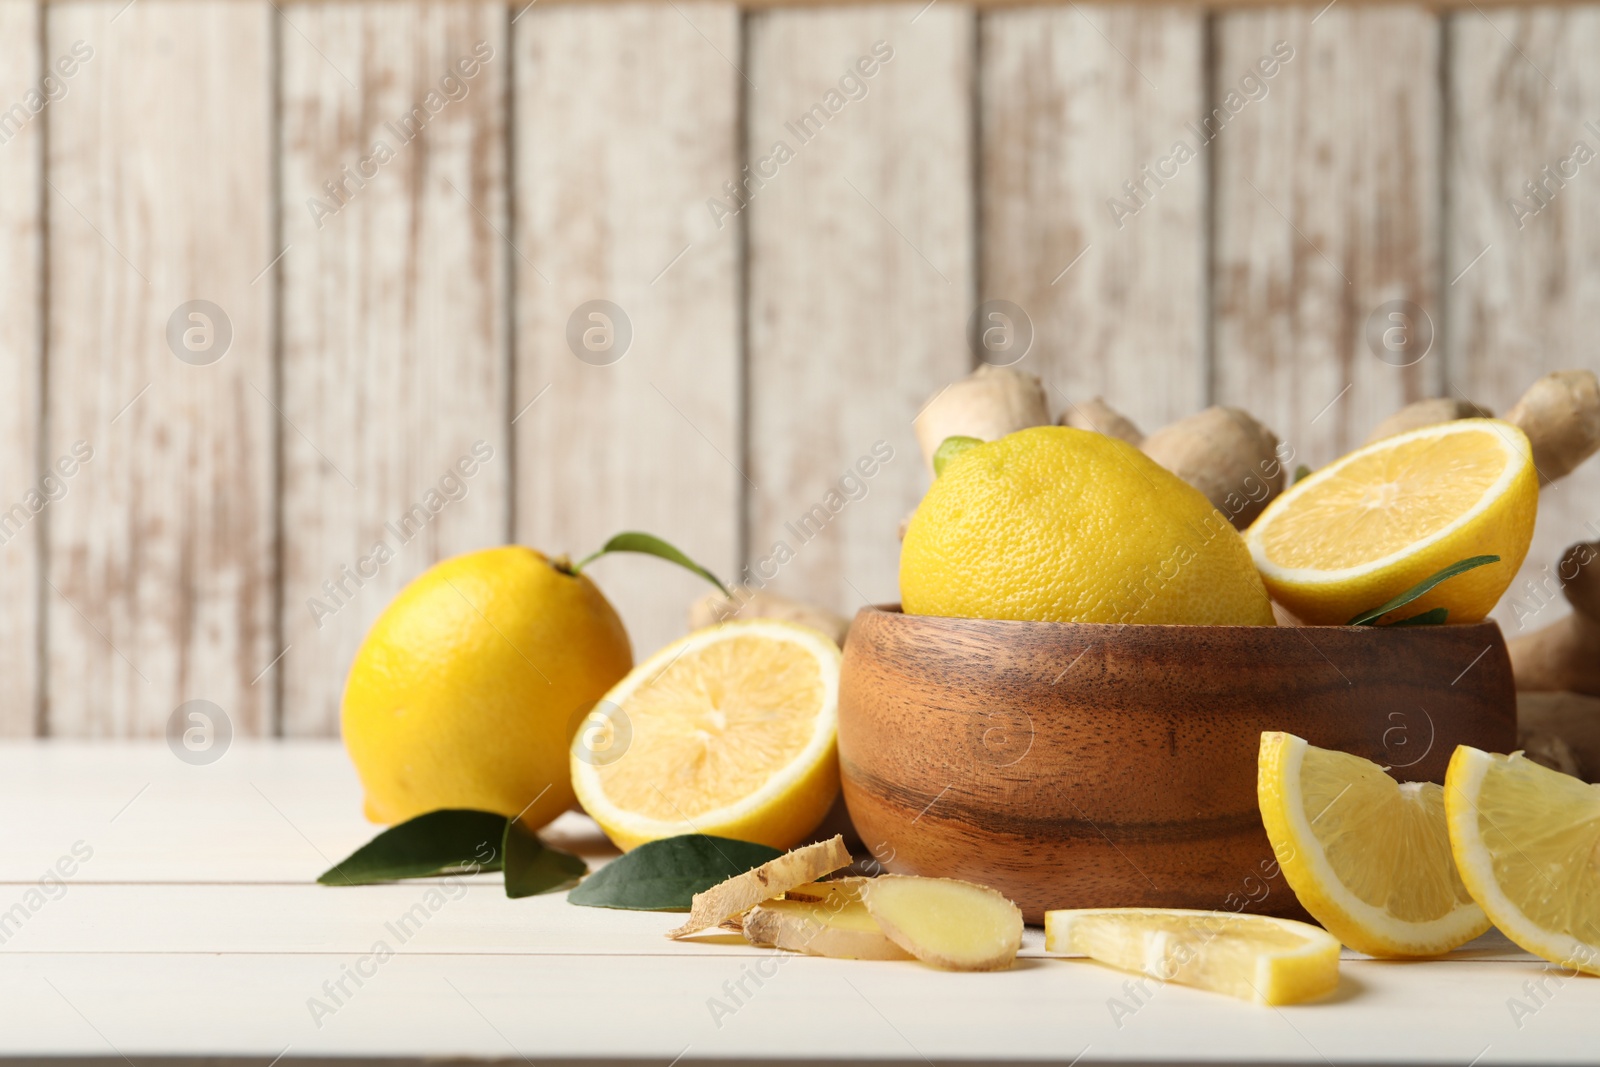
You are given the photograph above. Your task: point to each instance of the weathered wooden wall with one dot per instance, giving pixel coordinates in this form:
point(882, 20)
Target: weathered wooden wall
point(394, 311)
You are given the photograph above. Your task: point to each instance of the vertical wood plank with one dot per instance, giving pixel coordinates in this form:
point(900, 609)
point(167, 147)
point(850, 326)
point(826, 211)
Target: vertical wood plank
point(22, 498)
point(618, 147)
point(161, 557)
point(1525, 299)
point(1075, 103)
point(1327, 208)
point(861, 266)
point(395, 363)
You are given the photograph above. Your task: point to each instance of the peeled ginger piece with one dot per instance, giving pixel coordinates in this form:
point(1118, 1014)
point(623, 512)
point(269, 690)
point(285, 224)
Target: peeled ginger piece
point(947, 923)
point(837, 925)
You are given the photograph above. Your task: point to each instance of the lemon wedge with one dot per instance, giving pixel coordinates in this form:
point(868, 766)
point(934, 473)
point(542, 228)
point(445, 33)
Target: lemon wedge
point(1368, 857)
point(1253, 957)
point(1527, 842)
point(731, 731)
point(1380, 520)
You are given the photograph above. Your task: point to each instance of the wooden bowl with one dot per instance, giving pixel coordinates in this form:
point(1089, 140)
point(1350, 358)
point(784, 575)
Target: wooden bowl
point(1077, 765)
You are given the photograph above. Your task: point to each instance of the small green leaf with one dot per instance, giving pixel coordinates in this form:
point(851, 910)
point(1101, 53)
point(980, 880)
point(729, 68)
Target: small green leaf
point(533, 867)
point(451, 841)
point(949, 449)
point(1367, 618)
point(650, 545)
point(665, 875)
point(1302, 472)
point(1431, 617)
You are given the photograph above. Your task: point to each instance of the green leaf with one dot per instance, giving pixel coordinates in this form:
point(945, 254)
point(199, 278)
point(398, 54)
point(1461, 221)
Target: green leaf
point(1367, 618)
point(533, 867)
point(1302, 472)
point(451, 841)
point(949, 449)
point(650, 545)
point(665, 875)
point(1431, 617)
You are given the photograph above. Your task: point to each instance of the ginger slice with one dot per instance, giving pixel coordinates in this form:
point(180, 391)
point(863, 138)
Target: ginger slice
point(744, 891)
point(839, 927)
point(948, 923)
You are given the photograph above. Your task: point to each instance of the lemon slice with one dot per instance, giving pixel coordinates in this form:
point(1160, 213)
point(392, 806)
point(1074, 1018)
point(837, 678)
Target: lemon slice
point(1527, 842)
point(730, 731)
point(1371, 525)
point(1369, 858)
point(1253, 957)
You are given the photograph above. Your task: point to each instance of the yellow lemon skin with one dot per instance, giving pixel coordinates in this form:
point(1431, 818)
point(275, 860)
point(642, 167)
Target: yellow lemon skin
point(470, 685)
point(1054, 524)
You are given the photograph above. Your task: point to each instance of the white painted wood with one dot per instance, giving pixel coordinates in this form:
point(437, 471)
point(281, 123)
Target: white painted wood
point(590, 1008)
point(1076, 102)
point(395, 289)
point(861, 281)
point(1524, 292)
point(161, 557)
point(627, 121)
point(22, 498)
point(107, 965)
point(1326, 208)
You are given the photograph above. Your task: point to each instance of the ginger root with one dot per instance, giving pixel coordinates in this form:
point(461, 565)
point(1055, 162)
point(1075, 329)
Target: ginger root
point(1428, 412)
point(837, 925)
point(1560, 413)
point(1226, 454)
point(947, 923)
point(1101, 417)
point(1561, 731)
point(773, 878)
point(987, 404)
point(714, 608)
point(1566, 654)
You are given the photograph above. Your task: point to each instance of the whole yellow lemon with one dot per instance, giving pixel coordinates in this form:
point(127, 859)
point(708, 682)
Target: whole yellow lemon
point(468, 688)
point(1055, 524)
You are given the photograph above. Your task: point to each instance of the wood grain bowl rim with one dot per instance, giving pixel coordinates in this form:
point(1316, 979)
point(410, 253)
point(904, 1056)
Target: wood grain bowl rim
point(1043, 626)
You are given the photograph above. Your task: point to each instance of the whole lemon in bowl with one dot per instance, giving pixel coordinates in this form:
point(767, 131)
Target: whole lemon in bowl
point(1054, 524)
point(469, 687)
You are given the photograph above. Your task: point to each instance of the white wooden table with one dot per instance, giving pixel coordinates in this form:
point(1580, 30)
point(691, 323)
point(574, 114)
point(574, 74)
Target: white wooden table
point(194, 928)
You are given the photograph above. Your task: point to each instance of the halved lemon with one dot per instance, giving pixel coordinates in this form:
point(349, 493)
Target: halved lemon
point(1368, 857)
point(1527, 842)
point(730, 731)
point(1378, 521)
point(1253, 957)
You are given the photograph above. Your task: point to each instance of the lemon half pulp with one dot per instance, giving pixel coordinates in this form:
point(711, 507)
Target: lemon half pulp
point(731, 731)
point(1383, 518)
